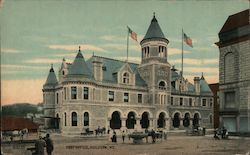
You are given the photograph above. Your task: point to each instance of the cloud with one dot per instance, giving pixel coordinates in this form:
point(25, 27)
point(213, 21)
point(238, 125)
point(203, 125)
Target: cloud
point(76, 47)
point(21, 91)
point(43, 61)
point(9, 50)
point(207, 70)
point(113, 38)
point(130, 59)
point(123, 47)
point(174, 51)
point(1, 3)
point(14, 69)
point(208, 78)
point(195, 61)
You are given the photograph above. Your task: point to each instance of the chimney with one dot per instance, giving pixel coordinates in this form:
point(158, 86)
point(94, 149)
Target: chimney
point(197, 86)
point(97, 69)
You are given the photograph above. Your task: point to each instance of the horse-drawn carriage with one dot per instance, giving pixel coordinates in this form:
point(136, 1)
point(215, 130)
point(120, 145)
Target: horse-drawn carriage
point(98, 131)
point(11, 135)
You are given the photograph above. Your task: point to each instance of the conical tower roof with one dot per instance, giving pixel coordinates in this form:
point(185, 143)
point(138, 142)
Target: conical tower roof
point(51, 79)
point(154, 30)
point(79, 66)
point(204, 85)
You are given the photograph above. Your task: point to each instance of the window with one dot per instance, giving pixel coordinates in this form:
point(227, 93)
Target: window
point(65, 119)
point(57, 98)
point(74, 119)
point(190, 101)
point(111, 96)
point(65, 94)
point(125, 97)
point(73, 93)
point(63, 73)
point(162, 85)
point(230, 100)
point(139, 98)
point(86, 119)
point(126, 78)
point(181, 101)
point(172, 101)
point(85, 93)
point(211, 102)
point(204, 102)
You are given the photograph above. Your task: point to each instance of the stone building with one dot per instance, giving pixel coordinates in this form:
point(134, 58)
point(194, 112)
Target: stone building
point(234, 71)
point(126, 96)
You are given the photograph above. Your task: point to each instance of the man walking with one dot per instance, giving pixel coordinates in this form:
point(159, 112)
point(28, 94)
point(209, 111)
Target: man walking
point(49, 145)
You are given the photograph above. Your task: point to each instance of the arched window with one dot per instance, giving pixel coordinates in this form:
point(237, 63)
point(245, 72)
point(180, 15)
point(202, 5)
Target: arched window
point(63, 72)
point(86, 119)
point(65, 119)
point(162, 85)
point(126, 78)
point(74, 119)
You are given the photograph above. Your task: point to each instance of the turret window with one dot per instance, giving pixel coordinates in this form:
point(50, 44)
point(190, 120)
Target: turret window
point(181, 101)
point(126, 78)
point(57, 98)
point(86, 93)
point(73, 93)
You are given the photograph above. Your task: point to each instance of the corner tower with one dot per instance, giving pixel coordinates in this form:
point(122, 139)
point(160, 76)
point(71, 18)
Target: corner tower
point(155, 69)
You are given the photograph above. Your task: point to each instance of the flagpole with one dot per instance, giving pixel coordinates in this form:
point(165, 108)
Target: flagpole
point(127, 43)
point(181, 54)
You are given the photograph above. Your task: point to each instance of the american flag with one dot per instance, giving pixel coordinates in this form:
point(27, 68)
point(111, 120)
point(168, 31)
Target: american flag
point(187, 40)
point(133, 35)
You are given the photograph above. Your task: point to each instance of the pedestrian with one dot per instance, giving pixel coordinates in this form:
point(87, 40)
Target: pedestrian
point(146, 132)
point(39, 146)
point(123, 136)
point(114, 138)
point(49, 144)
point(153, 136)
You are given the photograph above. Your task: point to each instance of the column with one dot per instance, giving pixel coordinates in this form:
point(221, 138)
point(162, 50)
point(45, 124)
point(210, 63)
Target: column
point(151, 123)
point(137, 125)
point(123, 127)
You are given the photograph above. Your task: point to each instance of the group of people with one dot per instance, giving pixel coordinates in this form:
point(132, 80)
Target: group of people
point(152, 133)
point(223, 132)
point(41, 143)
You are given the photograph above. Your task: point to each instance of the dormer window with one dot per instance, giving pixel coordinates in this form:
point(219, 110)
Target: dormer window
point(162, 85)
point(126, 78)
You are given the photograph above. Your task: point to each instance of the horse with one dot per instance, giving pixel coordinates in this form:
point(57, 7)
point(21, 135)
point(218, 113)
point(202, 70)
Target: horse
point(15, 133)
point(100, 131)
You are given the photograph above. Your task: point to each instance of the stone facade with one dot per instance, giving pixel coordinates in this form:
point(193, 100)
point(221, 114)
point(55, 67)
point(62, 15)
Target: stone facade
point(234, 73)
point(103, 92)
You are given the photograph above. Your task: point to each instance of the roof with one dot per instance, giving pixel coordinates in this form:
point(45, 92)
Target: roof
point(51, 79)
point(204, 86)
point(154, 30)
point(236, 20)
point(112, 66)
point(79, 66)
point(10, 123)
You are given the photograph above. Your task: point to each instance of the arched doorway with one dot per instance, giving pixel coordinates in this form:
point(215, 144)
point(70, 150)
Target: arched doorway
point(176, 120)
point(161, 120)
point(186, 120)
point(196, 120)
point(115, 122)
point(130, 122)
point(144, 120)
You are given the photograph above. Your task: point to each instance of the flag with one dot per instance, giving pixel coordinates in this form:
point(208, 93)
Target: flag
point(133, 35)
point(187, 40)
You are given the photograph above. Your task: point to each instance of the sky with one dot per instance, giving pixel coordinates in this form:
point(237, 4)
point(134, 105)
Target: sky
point(35, 34)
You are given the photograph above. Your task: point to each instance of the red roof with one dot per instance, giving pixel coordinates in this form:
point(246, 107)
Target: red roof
point(236, 20)
point(10, 123)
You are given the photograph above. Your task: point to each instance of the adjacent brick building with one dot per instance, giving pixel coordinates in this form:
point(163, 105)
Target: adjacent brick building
point(234, 72)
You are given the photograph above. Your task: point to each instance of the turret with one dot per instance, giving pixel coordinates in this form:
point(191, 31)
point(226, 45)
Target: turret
point(154, 44)
point(49, 98)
